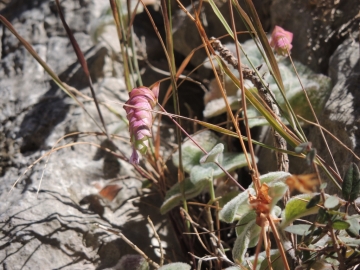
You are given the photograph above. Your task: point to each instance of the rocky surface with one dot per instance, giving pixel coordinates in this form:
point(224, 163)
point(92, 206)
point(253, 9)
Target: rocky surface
point(53, 226)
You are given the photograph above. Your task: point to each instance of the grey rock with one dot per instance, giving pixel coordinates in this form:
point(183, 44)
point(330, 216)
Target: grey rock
point(318, 27)
point(53, 225)
point(344, 69)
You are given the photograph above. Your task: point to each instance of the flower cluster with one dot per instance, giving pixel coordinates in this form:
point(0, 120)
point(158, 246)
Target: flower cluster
point(281, 40)
point(138, 109)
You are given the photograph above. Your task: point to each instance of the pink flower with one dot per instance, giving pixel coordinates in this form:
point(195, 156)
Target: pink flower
point(140, 118)
point(281, 40)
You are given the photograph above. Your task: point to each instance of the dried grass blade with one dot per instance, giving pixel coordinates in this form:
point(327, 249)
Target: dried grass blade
point(51, 73)
point(82, 62)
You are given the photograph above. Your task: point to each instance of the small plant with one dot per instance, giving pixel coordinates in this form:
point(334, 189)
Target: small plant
point(222, 224)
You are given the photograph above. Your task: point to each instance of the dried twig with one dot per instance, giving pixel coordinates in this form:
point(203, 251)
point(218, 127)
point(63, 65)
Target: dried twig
point(131, 244)
point(157, 238)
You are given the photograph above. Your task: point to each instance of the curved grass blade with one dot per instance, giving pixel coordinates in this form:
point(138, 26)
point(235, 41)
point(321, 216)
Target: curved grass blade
point(82, 62)
point(51, 73)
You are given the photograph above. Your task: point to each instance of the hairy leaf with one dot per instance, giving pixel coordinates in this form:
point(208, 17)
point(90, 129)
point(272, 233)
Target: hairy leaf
point(215, 155)
point(237, 207)
point(248, 223)
point(191, 154)
point(175, 195)
point(350, 241)
point(240, 246)
point(230, 162)
point(354, 229)
point(262, 263)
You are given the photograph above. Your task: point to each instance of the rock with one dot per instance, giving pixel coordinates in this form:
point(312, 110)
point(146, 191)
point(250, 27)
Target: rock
point(56, 227)
point(342, 109)
point(319, 27)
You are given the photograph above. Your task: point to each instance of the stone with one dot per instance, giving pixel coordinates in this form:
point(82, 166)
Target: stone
point(319, 28)
point(48, 220)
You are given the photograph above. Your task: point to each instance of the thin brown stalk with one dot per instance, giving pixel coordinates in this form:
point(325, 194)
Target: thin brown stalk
point(265, 94)
point(255, 174)
point(314, 114)
point(331, 135)
point(158, 239)
point(82, 61)
point(195, 226)
point(267, 247)
point(278, 242)
point(131, 244)
point(258, 247)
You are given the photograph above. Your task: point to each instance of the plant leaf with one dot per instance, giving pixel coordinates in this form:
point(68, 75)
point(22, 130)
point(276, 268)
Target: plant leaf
point(310, 156)
point(177, 193)
point(273, 177)
point(191, 154)
point(276, 191)
point(354, 229)
point(314, 201)
point(275, 259)
point(240, 246)
point(296, 208)
point(275, 182)
point(331, 202)
point(262, 262)
point(350, 241)
point(237, 207)
point(215, 155)
point(351, 183)
point(302, 147)
point(248, 223)
point(340, 225)
point(230, 162)
point(298, 229)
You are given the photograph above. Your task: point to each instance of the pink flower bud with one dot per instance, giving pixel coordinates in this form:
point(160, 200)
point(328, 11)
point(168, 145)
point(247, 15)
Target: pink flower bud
point(281, 40)
point(140, 118)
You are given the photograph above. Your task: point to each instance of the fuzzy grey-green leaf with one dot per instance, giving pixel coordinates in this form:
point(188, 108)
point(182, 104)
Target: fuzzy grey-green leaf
point(354, 229)
point(191, 154)
point(237, 207)
point(248, 223)
point(230, 162)
point(240, 246)
point(215, 155)
point(175, 195)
